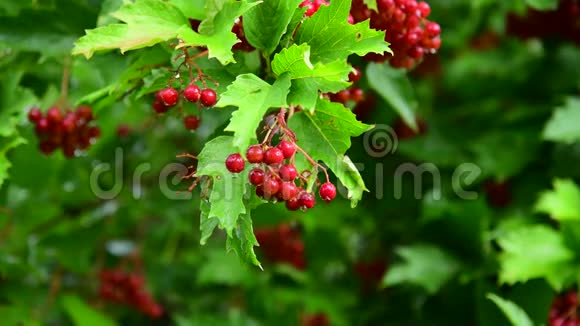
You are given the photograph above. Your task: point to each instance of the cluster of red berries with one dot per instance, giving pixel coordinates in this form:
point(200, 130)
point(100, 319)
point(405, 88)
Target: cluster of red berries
point(124, 288)
point(168, 97)
point(353, 93)
point(560, 23)
point(69, 130)
point(282, 244)
point(564, 310)
point(313, 6)
point(408, 31)
point(275, 179)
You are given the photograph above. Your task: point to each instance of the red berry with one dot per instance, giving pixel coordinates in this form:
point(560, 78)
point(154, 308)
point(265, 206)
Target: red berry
point(288, 149)
point(53, 115)
point(169, 96)
point(85, 113)
point(208, 97)
point(271, 186)
point(255, 154)
point(69, 123)
point(34, 115)
point(260, 191)
point(94, 132)
point(235, 163)
point(191, 122)
point(192, 93)
point(42, 126)
point(289, 190)
point(327, 192)
point(350, 19)
point(159, 106)
point(424, 9)
point(256, 176)
point(342, 96)
point(46, 147)
point(309, 8)
point(357, 94)
point(307, 200)
point(354, 76)
point(288, 172)
point(122, 130)
point(432, 29)
point(273, 156)
point(68, 151)
point(293, 204)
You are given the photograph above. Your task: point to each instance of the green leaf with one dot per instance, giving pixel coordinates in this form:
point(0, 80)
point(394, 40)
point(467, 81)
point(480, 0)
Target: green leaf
point(253, 97)
point(332, 38)
point(562, 127)
point(424, 265)
point(543, 4)
point(148, 22)
point(193, 9)
point(83, 314)
point(226, 197)
point(563, 203)
point(244, 241)
point(534, 252)
point(325, 136)
point(265, 24)
point(4, 162)
point(516, 315)
point(371, 4)
point(215, 32)
point(308, 79)
point(395, 88)
point(206, 224)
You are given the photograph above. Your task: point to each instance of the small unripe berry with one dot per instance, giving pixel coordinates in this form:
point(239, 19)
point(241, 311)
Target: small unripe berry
point(235, 163)
point(169, 96)
point(256, 176)
point(191, 122)
point(288, 172)
point(288, 149)
point(255, 154)
point(208, 97)
point(192, 93)
point(307, 200)
point(327, 192)
point(273, 156)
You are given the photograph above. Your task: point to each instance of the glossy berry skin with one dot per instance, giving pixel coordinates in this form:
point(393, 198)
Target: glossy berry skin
point(235, 163)
point(85, 113)
point(192, 93)
point(273, 156)
point(169, 96)
point(159, 106)
point(208, 97)
point(307, 200)
point(255, 154)
point(432, 29)
point(288, 149)
point(289, 190)
point(288, 172)
point(191, 122)
point(293, 204)
point(327, 192)
point(34, 115)
point(271, 187)
point(256, 176)
point(42, 126)
point(53, 115)
point(354, 76)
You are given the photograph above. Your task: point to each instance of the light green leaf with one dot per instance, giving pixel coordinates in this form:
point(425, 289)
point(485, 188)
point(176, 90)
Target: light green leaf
point(395, 88)
point(206, 224)
point(265, 24)
point(563, 126)
point(83, 314)
point(332, 38)
point(424, 265)
point(325, 136)
point(543, 4)
point(308, 79)
point(253, 97)
point(244, 241)
point(371, 4)
point(534, 252)
point(4, 162)
point(516, 315)
point(563, 203)
point(226, 197)
point(194, 9)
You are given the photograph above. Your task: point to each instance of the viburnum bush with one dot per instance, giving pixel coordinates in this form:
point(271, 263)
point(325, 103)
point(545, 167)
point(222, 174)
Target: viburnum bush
point(363, 162)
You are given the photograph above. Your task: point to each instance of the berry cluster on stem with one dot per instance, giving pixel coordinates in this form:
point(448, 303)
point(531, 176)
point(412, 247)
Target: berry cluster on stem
point(69, 130)
point(353, 94)
point(282, 244)
point(564, 310)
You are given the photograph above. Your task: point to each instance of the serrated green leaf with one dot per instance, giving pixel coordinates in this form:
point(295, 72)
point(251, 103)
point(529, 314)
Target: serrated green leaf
point(191, 9)
point(308, 79)
point(226, 199)
point(394, 87)
point(83, 314)
point(563, 127)
point(325, 136)
point(206, 224)
point(534, 252)
point(265, 24)
point(253, 97)
point(4, 162)
point(563, 203)
point(332, 38)
point(516, 315)
point(424, 265)
point(244, 240)
point(543, 4)
point(147, 22)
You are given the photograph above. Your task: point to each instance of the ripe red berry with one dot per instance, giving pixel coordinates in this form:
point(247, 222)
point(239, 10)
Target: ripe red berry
point(432, 29)
point(293, 204)
point(288, 149)
point(307, 200)
point(53, 115)
point(69, 123)
point(288, 172)
point(235, 163)
point(354, 76)
point(159, 106)
point(42, 126)
point(123, 130)
point(34, 115)
point(94, 132)
point(260, 190)
point(350, 19)
point(192, 93)
point(424, 9)
point(191, 122)
point(255, 154)
point(85, 113)
point(271, 186)
point(289, 190)
point(327, 192)
point(169, 96)
point(309, 8)
point(46, 147)
point(357, 94)
point(273, 156)
point(208, 97)
point(256, 176)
